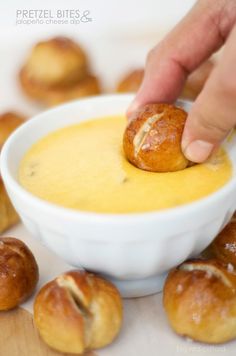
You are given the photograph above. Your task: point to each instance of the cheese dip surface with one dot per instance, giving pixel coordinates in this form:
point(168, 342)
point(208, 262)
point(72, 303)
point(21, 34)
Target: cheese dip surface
point(83, 167)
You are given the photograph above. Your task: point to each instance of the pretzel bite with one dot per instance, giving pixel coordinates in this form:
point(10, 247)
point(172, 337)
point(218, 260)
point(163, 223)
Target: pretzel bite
point(8, 215)
point(18, 273)
point(57, 71)
point(78, 311)
point(152, 139)
point(56, 61)
point(131, 82)
point(224, 245)
point(196, 80)
point(200, 300)
point(9, 121)
point(51, 96)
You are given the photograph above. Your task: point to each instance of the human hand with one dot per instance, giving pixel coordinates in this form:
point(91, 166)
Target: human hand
point(207, 27)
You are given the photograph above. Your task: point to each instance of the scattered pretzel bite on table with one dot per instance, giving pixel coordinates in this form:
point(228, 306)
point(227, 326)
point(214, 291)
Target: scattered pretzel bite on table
point(8, 215)
point(57, 61)
point(223, 246)
point(18, 273)
point(78, 311)
point(51, 96)
point(196, 80)
point(56, 71)
point(194, 84)
point(9, 121)
point(200, 300)
point(130, 82)
point(152, 138)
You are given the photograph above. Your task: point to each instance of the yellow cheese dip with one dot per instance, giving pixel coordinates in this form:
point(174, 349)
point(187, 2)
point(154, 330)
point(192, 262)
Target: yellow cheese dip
point(83, 167)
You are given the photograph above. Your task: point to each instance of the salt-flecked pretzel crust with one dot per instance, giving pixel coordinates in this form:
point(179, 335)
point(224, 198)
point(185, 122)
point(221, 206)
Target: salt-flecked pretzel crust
point(200, 300)
point(18, 273)
point(224, 245)
point(78, 311)
point(152, 138)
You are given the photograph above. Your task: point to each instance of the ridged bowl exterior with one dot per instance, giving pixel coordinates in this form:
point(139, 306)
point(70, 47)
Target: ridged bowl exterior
point(134, 250)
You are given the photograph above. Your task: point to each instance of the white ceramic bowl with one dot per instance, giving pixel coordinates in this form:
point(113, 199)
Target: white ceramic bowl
point(134, 250)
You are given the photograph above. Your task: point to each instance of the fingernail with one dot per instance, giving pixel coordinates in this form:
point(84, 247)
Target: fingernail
point(198, 151)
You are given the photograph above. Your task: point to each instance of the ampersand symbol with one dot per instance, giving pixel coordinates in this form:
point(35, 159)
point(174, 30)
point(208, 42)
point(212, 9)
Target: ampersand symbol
point(85, 18)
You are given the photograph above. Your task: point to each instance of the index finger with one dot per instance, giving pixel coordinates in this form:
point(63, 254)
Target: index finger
point(189, 44)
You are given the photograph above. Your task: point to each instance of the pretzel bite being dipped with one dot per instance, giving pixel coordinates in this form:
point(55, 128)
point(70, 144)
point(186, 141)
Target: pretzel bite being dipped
point(57, 70)
point(18, 273)
point(152, 138)
point(224, 245)
point(78, 311)
point(200, 300)
point(131, 81)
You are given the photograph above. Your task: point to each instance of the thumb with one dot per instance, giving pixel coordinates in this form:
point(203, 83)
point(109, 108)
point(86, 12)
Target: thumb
point(213, 114)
